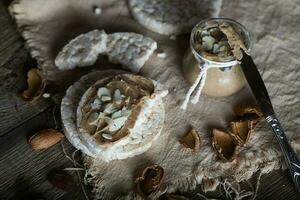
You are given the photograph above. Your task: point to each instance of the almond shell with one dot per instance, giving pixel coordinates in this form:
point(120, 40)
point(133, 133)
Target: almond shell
point(36, 85)
point(224, 144)
point(191, 140)
point(150, 181)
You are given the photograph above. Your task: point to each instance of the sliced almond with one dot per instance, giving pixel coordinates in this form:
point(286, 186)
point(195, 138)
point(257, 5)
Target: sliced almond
point(126, 112)
point(36, 85)
point(117, 97)
point(45, 139)
point(116, 114)
point(191, 140)
point(107, 136)
point(96, 104)
point(208, 42)
point(119, 122)
point(110, 108)
point(102, 129)
point(103, 91)
point(224, 144)
point(93, 119)
point(115, 124)
point(150, 181)
point(105, 98)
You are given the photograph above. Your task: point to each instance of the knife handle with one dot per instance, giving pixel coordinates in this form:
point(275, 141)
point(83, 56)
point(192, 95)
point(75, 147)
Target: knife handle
point(292, 161)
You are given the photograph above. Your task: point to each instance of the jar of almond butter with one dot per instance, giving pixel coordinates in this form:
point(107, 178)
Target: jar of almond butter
point(209, 64)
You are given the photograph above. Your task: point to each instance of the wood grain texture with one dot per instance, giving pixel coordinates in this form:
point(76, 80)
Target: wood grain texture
point(14, 62)
point(10, 39)
point(23, 170)
point(14, 111)
point(277, 185)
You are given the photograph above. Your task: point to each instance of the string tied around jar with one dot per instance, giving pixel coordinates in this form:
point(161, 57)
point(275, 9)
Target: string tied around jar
point(195, 90)
point(231, 34)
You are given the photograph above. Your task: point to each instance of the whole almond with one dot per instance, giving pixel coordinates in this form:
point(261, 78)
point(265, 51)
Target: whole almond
point(45, 139)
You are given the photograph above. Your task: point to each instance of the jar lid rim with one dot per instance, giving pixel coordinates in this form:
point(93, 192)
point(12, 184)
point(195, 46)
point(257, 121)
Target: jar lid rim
point(219, 63)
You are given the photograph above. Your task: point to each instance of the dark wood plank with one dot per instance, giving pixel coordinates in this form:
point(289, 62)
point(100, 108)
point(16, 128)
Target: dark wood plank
point(14, 62)
point(277, 185)
point(13, 109)
point(10, 39)
point(23, 170)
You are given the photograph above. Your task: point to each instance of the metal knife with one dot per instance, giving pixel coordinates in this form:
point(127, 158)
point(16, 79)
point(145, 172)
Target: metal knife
point(263, 100)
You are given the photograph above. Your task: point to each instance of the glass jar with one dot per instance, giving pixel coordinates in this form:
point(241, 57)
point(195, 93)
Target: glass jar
point(223, 78)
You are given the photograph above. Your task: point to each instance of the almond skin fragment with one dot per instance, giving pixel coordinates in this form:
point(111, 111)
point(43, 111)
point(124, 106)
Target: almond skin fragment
point(248, 118)
point(249, 112)
point(36, 85)
point(191, 140)
point(224, 144)
point(240, 131)
point(150, 181)
point(45, 139)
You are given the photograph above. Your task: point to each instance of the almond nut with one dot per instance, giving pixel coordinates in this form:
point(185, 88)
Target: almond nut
point(36, 85)
point(224, 144)
point(45, 139)
point(191, 140)
point(150, 181)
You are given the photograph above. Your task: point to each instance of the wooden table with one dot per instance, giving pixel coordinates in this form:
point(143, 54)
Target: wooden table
point(23, 170)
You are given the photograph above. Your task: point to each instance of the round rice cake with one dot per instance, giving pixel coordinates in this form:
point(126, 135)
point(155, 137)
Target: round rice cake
point(131, 50)
point(140, 129)
point(70, 102)
point(145, 122)
point(82, 51)
point(173, 17)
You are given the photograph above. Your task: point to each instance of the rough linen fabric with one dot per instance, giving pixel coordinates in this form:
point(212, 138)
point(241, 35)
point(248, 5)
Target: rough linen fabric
point(275, 29)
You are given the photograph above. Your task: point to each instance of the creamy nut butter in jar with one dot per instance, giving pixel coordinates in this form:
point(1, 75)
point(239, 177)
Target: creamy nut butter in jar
point(210, 51)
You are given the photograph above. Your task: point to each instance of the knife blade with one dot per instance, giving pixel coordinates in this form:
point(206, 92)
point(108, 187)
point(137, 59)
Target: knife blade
point(261, 95)
point(256, 84)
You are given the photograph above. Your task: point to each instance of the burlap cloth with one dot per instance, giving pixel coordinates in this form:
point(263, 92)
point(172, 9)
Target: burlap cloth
point(275, 29)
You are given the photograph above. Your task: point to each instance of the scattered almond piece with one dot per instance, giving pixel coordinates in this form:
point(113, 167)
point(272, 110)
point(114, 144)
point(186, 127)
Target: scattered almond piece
point(240, 131)
point(224, 144)
point(248, 117)
point(191, 140)
point(249, 112)
point(45, 139)
point(150, 181)
point(36, 85)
